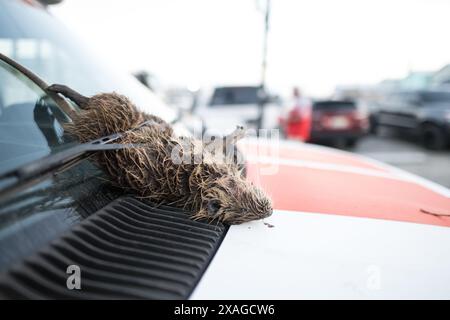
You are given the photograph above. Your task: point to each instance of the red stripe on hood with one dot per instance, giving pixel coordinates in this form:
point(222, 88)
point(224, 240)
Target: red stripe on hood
point(307, 152)
point(352, 194)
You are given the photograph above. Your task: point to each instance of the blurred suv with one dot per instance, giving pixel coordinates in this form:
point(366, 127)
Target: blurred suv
point(424, 113)
point(341, 122)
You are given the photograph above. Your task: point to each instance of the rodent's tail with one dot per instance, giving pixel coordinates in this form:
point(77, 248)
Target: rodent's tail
point(69, 93)
point(101, 115)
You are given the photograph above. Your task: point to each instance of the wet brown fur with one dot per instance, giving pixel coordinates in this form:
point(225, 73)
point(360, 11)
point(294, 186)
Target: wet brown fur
point(214, 190)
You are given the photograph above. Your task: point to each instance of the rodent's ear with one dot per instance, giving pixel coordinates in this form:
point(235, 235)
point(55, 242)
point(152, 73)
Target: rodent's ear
point(213, 207)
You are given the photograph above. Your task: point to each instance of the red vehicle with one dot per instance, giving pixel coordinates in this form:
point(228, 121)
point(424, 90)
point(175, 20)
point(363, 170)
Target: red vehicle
point(341, 122)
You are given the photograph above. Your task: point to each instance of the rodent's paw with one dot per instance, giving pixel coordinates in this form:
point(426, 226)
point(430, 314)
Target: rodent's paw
point(240, 132)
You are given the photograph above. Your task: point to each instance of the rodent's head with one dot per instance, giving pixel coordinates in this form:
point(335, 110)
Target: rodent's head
point(232, 200)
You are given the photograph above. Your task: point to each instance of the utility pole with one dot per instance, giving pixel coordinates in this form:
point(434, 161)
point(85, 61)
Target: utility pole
point(262, 91)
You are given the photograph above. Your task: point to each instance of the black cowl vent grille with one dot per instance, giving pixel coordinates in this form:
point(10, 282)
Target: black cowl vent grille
point(127, 250)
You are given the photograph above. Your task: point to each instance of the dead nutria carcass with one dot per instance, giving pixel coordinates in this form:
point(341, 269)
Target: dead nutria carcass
point(212, 189)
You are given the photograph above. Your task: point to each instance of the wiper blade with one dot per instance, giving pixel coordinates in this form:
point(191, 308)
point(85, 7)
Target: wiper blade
point(40, 169)
point(56, 160)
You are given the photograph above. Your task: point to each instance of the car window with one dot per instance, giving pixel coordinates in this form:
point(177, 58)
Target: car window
point(334, 105)
point(436, 96)
point(31, 124)
point(234, 96)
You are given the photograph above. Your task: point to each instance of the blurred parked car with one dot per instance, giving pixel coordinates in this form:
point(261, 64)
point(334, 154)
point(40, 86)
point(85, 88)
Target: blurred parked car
point(226, 107)
point(341, 122)
point(423, 113)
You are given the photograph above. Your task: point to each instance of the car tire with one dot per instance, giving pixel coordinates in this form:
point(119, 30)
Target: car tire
point(433, 137)
point(373, 125)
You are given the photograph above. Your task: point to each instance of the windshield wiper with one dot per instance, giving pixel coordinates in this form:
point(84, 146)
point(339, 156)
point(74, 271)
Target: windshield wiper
point(42, 168)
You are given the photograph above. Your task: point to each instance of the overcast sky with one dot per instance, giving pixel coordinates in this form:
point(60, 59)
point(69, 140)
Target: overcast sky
point(314, 44)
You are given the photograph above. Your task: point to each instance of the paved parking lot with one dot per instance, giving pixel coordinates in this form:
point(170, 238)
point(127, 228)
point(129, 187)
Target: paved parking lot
point(407, 154)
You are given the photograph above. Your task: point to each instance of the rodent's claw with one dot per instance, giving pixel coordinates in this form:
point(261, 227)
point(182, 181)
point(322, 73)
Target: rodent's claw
point(238, 134)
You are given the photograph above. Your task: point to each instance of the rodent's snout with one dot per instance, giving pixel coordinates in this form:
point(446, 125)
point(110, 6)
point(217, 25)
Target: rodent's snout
point(232, 200)
point(266, 214)
point(247, 215)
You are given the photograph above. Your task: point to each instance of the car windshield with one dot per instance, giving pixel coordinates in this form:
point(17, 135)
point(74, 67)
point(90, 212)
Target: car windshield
point(32, 37)
point(234, 95)
point(31, 124)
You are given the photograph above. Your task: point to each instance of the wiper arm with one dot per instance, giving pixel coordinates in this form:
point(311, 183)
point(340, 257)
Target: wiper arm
point(40, 169)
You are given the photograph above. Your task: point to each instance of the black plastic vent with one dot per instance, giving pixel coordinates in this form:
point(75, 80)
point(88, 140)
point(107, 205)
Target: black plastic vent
point(127, 250)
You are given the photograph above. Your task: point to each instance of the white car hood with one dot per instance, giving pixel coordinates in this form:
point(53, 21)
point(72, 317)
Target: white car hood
point(312, 255)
